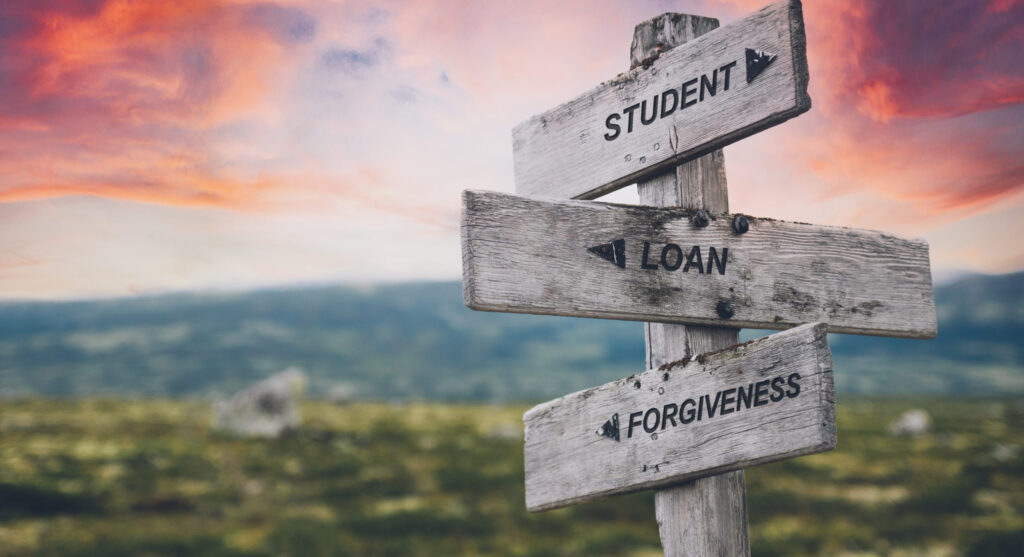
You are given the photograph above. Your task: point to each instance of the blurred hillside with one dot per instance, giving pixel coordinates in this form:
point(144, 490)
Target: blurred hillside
point(418, 341)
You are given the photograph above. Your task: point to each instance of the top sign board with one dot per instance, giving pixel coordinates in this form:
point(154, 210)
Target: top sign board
point(712, 91)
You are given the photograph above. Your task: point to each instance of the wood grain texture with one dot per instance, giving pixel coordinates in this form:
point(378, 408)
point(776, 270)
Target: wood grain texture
point(705, 517)
point(530, 255)
point(669, 30)
point(568, 461)
point(563, 153)
point(697, 184)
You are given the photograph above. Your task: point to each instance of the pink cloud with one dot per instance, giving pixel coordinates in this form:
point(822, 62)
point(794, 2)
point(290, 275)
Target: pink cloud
point(129, 100)
point(918, 102)
point(117, 100)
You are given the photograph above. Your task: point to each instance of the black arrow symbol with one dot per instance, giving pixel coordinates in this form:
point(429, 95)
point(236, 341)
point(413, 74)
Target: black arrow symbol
point(610, 429)
point(614, 251)
point(757, 61)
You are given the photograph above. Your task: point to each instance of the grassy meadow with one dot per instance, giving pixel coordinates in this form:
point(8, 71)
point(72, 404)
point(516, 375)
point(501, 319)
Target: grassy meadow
point(106, 477)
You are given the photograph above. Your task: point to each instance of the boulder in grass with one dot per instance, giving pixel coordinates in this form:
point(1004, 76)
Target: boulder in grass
point(266, 409)
point(341, 394)
point(911, 423)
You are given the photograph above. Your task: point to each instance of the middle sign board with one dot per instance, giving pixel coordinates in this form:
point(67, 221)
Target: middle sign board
point(593, 259)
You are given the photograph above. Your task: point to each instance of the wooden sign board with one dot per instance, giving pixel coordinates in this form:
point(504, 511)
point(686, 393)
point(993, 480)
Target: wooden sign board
point(593, 259)
point(758, 402)
point(712, 91)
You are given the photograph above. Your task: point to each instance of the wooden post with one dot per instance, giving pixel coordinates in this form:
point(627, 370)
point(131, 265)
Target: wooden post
point(707, 516)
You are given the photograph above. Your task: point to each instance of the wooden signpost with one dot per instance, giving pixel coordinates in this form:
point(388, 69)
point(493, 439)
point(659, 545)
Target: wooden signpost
point(707, 407)
point(758, 402)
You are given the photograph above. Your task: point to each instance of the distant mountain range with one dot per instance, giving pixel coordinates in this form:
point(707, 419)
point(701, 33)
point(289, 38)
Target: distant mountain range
point(417, 341)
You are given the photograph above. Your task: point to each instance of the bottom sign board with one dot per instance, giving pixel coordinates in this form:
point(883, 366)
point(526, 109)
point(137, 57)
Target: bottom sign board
point(753, 403)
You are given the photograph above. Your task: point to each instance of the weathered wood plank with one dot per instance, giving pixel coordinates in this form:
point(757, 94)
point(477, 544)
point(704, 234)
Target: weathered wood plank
point(586, 259)
point(574, 151)
point(666, 425)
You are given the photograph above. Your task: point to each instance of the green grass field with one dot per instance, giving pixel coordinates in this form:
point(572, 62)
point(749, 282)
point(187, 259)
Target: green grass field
point(119, 477)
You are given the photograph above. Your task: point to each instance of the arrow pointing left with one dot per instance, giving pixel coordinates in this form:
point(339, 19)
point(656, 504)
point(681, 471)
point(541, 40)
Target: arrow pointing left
point(614, 251)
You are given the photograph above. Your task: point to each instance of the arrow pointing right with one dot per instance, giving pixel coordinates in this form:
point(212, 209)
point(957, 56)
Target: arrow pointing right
point(757, 61)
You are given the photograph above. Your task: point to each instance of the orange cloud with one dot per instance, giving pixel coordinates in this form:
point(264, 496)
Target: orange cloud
point(132, 99)
point(120, 100)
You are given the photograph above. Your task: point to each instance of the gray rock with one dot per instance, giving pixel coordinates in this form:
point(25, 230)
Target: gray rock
point(911, 423)
point(1004, 452)
point(341, 393)
point(266, 409)
point(506, 431)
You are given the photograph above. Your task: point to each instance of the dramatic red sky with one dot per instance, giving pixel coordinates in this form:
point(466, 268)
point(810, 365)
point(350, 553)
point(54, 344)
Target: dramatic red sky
point(161, 146)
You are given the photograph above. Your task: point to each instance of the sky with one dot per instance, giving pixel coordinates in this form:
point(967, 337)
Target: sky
point(161, 146)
